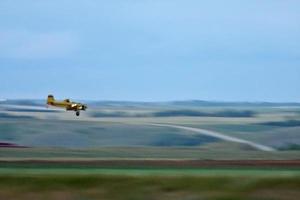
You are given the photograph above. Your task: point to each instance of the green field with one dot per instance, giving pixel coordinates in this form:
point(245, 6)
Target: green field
point(148, 171)
point(219, 151)
point(130, 187)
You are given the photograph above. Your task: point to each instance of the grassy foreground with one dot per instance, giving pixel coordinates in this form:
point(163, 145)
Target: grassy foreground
point(117, 187)
point(79, 182)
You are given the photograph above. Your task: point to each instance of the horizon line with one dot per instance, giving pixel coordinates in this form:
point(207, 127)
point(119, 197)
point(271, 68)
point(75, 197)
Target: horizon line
point(158, 101)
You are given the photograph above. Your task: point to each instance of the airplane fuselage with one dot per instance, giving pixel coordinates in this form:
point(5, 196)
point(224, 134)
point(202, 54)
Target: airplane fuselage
point(66, 104)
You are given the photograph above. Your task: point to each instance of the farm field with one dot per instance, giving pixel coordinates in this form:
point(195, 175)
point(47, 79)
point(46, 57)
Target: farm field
point(114, 185)
point(152, 179)
point(132, 125)
point(220, 151)
point(149, 151)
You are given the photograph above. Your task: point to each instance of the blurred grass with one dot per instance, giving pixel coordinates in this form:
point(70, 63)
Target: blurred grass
point(150, 171)
point(213, 151)
point(148, 187)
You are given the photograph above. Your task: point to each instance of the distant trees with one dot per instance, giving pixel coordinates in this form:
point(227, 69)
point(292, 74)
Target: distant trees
point(288, 123)
point(178, 113)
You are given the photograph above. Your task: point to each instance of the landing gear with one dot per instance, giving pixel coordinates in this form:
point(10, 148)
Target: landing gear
point(77, 113)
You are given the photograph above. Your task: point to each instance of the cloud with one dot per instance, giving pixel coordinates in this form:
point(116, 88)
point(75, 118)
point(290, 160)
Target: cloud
point(37, 45)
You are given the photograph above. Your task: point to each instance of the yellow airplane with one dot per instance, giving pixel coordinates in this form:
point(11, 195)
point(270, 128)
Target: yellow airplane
point(67, 104)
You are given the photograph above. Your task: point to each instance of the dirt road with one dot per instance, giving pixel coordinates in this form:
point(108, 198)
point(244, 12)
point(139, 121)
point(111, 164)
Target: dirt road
point(218, 135)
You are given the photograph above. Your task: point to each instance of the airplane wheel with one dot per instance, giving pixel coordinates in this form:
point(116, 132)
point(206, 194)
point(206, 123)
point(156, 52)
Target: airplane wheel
point(77, 113)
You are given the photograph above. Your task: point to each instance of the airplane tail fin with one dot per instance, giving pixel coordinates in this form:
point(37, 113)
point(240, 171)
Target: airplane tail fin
point(50, 99)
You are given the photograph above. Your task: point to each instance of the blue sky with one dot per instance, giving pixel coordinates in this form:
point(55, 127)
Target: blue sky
point(151, 50)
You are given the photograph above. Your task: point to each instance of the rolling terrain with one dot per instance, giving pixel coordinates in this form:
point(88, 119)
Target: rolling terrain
point(260, 126)
point(166, 150)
